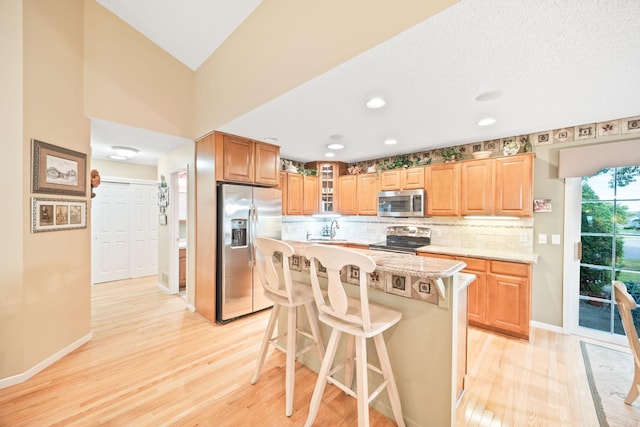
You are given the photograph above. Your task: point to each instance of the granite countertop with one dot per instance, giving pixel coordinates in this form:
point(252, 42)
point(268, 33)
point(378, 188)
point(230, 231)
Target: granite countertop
point(481, 253)
point(406, 264)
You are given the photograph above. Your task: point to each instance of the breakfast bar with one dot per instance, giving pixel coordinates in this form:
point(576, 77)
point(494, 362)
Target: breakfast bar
point(427, 347)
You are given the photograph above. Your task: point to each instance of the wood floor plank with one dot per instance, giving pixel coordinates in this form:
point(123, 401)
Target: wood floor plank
point(152, 362)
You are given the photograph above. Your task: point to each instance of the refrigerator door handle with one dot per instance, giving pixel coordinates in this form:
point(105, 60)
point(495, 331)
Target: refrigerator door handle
point(252, 233)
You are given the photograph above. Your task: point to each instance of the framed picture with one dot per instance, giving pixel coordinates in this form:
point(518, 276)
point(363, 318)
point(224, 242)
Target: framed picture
point(57, 170)
point(57, 214)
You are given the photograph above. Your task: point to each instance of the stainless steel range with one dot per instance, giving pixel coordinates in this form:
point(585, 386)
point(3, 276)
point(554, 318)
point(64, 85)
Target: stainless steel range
point(404, 239)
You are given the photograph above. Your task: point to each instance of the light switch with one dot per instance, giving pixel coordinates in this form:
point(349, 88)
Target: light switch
point(555, 239)
point(542, 239)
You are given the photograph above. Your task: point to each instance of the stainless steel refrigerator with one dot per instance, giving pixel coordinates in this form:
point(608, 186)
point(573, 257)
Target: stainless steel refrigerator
point(244, 212)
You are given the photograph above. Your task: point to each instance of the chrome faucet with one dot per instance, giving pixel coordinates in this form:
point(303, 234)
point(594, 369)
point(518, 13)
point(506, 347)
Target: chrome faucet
point(334, 226)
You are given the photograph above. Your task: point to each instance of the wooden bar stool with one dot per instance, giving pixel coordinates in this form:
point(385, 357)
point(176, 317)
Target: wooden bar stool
point(360, 320)
point(626, 304)
point(291, 295)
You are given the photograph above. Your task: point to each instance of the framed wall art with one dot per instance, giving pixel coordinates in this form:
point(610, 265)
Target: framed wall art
point(57, 170)
point(57, 214)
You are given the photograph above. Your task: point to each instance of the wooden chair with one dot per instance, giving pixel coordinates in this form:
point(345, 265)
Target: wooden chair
point(289, 294)
point(360, 320)
point(626, 303)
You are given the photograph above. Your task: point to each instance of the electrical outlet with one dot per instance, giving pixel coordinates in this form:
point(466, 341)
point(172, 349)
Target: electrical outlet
point(542, 239)
point(555, 239)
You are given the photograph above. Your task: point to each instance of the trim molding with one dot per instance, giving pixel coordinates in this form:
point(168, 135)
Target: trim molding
point(20, 378)
point(548, 327)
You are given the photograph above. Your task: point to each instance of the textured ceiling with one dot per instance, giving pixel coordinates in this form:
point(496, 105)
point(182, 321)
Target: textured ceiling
point(557, 62)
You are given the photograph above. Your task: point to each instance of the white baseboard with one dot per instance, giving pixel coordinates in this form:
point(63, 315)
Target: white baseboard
point(548, 327)
point(164, 288)
point(191, 308)
point(20, 378)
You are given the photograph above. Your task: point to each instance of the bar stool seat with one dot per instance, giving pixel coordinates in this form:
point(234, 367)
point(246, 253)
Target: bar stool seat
point(360, 320)
point(289, 294)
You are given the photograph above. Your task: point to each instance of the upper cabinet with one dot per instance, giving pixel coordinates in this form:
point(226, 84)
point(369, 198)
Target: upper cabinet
point(402, 179)
point(368, 188)
point(359, 194)
point(513, 185)
point(244, 160)
point(443, 189)
point(498, 186)
point(348, 192)
point(328, 173)
point(476, 187)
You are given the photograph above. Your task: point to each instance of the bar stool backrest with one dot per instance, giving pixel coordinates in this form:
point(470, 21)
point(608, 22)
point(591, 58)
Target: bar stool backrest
point(268, 269)
point(334, 259)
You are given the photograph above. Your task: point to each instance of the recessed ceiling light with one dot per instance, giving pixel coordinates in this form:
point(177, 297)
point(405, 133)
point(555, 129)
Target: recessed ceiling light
point(114, 157)
point(376, 102)
point(390, 141)
point(125, 152)
point(489, 95)
point(335, 146)
point(271, 138)
point(487, 121)
point(329, 154)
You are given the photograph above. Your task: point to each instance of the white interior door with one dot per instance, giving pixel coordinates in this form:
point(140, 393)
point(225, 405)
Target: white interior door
point(144, 233)
point(110, 232)
point(124, 231)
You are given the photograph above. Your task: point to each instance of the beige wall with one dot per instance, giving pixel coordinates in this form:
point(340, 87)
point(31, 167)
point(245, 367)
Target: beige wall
point(12, 176)
point(53, 306)
point(124, 170)
point(284, 44)
point(130, 80)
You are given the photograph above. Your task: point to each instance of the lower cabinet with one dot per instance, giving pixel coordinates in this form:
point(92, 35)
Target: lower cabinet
point(500, 298)
point(182, 268)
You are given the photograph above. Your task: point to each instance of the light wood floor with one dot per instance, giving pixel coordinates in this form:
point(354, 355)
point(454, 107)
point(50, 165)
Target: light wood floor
point(152, 362)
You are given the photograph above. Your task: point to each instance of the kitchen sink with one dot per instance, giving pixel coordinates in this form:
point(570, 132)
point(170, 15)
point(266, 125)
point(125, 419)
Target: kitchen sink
point(326, 240)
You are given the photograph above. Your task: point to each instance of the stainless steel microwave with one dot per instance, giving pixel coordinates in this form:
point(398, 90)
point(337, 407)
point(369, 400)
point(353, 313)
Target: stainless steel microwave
point(404, 203)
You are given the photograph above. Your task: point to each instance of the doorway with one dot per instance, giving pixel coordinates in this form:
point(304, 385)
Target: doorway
point(608, 214)
point(124, 233)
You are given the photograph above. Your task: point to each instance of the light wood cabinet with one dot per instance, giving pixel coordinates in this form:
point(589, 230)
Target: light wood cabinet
point(402, 179)
point(508, 298)
point(295, 194)
point(513, 185)
point(442, 183)
point(328, 174)
point(476, 187)
point(368, 189)
point(500, 298)
point(182, 268)
point(243, 160)
point(310, 195)
point(348, 192)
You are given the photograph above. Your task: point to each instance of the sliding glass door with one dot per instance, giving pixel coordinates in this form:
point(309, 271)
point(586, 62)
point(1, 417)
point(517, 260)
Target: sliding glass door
point(610, 239)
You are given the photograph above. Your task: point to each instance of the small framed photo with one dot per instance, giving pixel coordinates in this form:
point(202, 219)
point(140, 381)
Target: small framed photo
point(57, 214)
point(542, 205)
point(57, 170)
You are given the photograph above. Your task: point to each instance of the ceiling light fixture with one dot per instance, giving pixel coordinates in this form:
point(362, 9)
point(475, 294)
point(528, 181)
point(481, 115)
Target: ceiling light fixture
point(335, 146)
point(125, 152)
point(390, 141)
point(487, 121)
point(271, 138)
point(489, 95)
point(376, 102)
point(330, 154)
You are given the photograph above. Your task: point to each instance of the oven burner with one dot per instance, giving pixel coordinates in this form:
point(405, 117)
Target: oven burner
point(404, 239)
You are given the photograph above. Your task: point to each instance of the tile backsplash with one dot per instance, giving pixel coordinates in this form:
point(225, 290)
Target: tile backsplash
point(496, 234)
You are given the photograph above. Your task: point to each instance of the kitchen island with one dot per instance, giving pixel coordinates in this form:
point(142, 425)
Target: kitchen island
point(427, 347)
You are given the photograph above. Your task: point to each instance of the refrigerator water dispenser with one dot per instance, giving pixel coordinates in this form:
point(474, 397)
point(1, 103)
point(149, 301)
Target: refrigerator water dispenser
point(238, 232)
